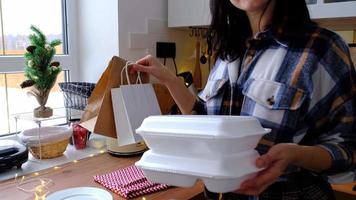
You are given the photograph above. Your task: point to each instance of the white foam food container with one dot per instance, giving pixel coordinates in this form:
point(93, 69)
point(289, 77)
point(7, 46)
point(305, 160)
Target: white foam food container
point(224, 174)
point(201, 134)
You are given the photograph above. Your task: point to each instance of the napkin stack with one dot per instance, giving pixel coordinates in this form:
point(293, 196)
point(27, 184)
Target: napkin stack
point(129, 182)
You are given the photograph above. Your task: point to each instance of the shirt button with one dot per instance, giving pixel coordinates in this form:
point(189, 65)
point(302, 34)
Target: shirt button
point(263, 36)
point(251, 53)
point(271, 101)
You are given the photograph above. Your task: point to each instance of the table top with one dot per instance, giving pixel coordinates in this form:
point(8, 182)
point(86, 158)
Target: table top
point(345, 188)
point(81, 174)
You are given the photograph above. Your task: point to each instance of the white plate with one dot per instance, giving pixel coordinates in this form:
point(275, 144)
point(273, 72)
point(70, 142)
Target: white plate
point(81, 193)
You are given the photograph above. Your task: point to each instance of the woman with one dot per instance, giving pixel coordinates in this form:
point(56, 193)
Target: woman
point(275, 64)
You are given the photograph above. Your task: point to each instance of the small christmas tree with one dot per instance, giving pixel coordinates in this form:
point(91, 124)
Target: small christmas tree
point(40, 71)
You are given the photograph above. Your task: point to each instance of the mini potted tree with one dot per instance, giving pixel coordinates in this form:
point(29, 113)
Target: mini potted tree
point(40, 72)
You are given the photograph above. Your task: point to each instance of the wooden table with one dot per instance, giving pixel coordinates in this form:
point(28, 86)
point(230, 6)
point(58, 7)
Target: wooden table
point(81, 175)
point(345, 192)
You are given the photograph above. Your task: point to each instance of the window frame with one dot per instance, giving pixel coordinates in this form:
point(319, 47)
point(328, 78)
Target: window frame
point(15, 63)
point(69, 60)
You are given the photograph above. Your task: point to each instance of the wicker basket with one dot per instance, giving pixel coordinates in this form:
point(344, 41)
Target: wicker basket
point(76, 94)
point(50, 150)
point(46, 142)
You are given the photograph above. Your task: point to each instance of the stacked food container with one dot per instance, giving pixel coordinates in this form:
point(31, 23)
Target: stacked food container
point(216, 149)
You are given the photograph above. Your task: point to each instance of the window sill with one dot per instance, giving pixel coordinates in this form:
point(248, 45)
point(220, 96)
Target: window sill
point(34, 165)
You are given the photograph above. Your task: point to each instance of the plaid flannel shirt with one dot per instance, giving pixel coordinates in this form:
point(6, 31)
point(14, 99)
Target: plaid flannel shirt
point(301, 86)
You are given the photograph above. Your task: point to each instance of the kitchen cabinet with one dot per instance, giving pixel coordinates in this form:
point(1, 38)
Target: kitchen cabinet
point(321, 9)
point(311, 1)
point(185, 13)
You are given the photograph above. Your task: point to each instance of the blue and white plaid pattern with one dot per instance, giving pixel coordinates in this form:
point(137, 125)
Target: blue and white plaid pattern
point(302, 87)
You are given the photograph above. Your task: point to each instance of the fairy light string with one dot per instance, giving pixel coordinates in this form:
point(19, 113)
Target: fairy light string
point(42, 188)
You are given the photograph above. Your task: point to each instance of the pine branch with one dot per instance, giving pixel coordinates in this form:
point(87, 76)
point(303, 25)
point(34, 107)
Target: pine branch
point(40, 35)
point(43, 58)
point(50, 55)
point(35, 40)
point(55, 43)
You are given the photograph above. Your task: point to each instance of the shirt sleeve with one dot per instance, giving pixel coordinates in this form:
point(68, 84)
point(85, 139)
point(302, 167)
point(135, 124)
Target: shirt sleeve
point(333, 115)
point(199, 107)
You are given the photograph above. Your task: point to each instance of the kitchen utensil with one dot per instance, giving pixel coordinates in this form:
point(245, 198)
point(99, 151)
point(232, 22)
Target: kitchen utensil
point(203, 58)
point(197, 70)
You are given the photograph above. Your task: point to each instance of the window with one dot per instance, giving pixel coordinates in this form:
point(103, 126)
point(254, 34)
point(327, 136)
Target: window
point(14, 100)
point(18, 15)
point(56, 18)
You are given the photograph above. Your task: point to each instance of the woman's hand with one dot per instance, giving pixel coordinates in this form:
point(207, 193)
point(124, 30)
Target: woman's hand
point(151, 65)
point(275, 161)
point(181, 95)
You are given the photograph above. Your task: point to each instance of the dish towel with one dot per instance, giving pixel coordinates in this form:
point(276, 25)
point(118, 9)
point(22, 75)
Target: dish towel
point(129, 182)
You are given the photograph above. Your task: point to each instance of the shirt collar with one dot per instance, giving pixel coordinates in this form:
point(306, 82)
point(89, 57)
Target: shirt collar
point(276, 34)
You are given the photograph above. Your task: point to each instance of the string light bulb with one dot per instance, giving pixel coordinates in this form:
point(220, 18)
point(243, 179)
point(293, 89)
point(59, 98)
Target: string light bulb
point(16, 175)
point(40, 191)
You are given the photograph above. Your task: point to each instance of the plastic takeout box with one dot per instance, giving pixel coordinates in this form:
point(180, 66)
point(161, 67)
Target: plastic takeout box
point(201, 135)
point(222, 174)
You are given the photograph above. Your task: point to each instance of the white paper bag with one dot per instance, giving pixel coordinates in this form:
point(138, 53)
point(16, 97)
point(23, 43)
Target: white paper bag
point(132, 103)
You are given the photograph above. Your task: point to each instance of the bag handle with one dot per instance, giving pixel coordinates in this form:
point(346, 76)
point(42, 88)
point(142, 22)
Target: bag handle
point(127, 65)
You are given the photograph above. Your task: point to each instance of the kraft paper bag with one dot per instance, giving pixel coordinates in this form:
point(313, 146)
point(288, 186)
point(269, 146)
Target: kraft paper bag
point(98, 115)
point(132, 103)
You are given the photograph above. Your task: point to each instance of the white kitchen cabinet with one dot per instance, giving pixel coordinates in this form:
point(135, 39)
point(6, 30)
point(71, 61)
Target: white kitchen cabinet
point(320, 9)
point(185, 13)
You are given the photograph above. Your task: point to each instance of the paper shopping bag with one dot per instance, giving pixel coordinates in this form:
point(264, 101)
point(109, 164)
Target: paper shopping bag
point(98, 115)
point(165, 100)
point(132, 104)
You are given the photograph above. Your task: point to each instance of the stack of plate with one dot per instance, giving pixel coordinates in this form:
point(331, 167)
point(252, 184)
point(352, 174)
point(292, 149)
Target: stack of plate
point(12, 153)
point(216, 149)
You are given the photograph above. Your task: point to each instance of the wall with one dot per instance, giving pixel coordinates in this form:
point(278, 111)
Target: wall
point(130, 29)
point(97, 37)
point(143, 23)
point(350, 37)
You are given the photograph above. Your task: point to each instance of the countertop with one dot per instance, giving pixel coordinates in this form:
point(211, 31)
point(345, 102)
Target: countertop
point(80, 174)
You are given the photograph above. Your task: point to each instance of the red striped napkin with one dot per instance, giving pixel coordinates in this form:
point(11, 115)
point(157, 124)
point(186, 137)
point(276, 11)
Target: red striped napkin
point(129, 182)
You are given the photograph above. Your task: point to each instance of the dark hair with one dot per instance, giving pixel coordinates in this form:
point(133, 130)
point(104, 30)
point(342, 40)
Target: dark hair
point(230, 27)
